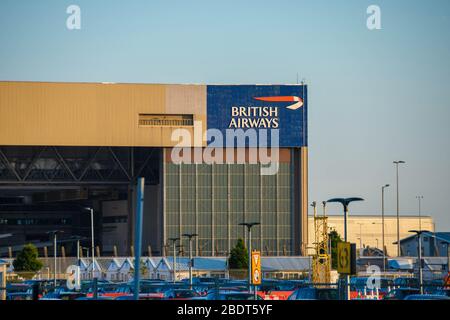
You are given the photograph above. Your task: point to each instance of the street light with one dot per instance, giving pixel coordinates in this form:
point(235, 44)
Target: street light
point(54, 233)
point(92, 240)
point(398, 208)
point(345, 203)
point(190, 236)
point(78, 239)
point(420, 211)
point(419, 255)
point(174, 240)
point(382, 225)
point(249, 226)
point(360, 234)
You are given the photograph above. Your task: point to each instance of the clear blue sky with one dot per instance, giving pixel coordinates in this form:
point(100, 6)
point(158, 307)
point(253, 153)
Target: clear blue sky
point(375, 96)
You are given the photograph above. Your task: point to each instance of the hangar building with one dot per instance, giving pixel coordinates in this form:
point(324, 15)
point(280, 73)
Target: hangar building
point(68, 146)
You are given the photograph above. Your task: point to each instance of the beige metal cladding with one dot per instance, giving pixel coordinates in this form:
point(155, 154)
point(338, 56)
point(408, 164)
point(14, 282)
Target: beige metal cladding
point(94, 114)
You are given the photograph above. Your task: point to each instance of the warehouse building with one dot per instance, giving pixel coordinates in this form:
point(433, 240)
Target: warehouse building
point(366, 230)
point(65, 147)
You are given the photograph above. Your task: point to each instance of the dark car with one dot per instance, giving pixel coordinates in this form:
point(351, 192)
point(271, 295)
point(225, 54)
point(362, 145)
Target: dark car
point(92, 298)
point(230, 295)
point(64, 295)
point(19, 295)
point(404, 282)
point(180, 294)
point(311, 293)
point(426, 297)
point(142, 296)
point(17, 287)
point(400, 293)
point(433, 286)
point(18, 291)
point(360, 287)
point(443, 292)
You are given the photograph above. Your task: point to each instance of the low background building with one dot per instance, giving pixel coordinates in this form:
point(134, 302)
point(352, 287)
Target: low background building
point(434, 244)
point(365, 230)
point(3, 264)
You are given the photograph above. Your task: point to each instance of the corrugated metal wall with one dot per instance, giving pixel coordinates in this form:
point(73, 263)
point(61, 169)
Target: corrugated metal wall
point(92, 114)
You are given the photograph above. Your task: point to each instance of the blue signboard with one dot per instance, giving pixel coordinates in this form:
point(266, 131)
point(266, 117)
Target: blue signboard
point(260, 107)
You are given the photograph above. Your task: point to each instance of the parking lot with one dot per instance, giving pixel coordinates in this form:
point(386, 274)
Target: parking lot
point(226, 289)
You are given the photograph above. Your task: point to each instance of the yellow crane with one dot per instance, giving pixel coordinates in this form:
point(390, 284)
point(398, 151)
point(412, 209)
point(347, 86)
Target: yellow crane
point(321, 258)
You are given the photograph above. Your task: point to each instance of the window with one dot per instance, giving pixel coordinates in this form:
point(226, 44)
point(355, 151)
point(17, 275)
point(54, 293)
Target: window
point(166, 120)
point(115, 219)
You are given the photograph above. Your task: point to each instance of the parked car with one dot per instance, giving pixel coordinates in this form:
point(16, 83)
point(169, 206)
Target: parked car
point(443, 292)
point(312, 293)
point(400, 293)
point(433, 286)
point(360, 287)
point(63, 295)
point(180, 294)
point(278, 290)
point(426, 297)
point(142, 296)
point(98, 298)
point(19, 291)
point(229, 295)
point(28, 295)
point(405, 282)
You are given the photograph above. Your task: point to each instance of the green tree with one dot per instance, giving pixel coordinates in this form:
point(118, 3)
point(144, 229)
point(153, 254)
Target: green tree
point(27, 260)
point(239, 256)
point(142, 268)
point(335, 238)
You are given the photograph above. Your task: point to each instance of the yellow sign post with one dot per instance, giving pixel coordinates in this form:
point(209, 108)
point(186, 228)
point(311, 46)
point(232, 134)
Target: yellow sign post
point(256, 268)
point(346, 258)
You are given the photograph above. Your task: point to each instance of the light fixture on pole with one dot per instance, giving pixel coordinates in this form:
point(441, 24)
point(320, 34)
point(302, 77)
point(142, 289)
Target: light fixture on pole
point(419, 255)
point(398, 207)
point(382, 225)
point(191, 261)
point(420, 198)
point(360, 235)
point(78, 239)
point(92, 240)
point(345, 203)
point(54, 234)
point(174, 262)
point(138, 236)
point(249, 226)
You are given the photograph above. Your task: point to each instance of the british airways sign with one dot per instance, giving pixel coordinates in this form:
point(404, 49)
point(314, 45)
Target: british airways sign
point(256, 107)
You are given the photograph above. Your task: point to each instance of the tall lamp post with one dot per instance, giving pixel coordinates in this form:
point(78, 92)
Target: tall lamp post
point(420, 211)
point(92, 241)
point(382, 225)
point(191, 261)
point(419, 255)
point(249, 226)
point(54, 234)
point(360, 234)
point(78, 239)
point(174, 241)
point(138, 236)
point(398, 207)
point(345, 203)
